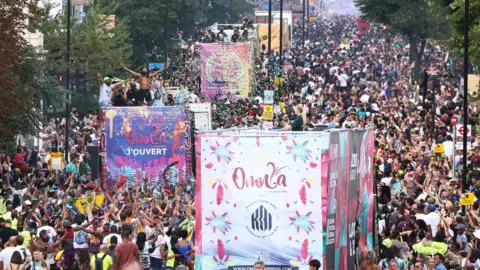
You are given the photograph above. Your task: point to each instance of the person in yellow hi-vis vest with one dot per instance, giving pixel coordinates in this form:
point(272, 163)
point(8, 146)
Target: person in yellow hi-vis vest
point(174, 256)
point(424, 247)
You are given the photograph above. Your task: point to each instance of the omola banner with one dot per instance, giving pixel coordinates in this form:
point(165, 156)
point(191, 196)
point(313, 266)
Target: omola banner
point(225, 70)
point(261, 199)
point(142, 141)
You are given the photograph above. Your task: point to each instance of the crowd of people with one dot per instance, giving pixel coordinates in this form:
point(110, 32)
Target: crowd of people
point(343, 76)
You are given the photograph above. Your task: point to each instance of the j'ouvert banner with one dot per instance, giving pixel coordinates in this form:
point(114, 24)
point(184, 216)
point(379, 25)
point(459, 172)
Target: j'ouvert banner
point(283, 199)
point(142, 141)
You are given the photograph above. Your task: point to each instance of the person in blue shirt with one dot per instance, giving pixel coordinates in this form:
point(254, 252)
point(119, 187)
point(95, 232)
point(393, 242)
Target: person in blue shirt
point(461, 237)
point(72, 167)
point(439, 258)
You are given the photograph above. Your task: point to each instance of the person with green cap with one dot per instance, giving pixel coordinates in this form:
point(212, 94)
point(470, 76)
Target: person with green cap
point(106, 88)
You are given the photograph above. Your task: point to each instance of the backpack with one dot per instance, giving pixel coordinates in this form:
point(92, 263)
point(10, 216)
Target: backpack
point(18, 159)
point(111, 253)
point(81, 238)
point(99, 262)
point(24, 253)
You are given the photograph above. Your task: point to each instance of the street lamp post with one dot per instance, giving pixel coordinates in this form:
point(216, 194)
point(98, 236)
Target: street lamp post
point(465, 100)
point(67, 81)
point(166, 31)
point(308, 18)
point(281, 29)
point(269, 27)
point(303, 23)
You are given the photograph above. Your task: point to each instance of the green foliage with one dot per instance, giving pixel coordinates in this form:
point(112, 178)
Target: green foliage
point(94, 48)
point(418, 20)
point(146, 22)
point(230, 11)
point(33, 87)
point(454, 11)
point(84, 103)
point(25, 80)
point(413, 18)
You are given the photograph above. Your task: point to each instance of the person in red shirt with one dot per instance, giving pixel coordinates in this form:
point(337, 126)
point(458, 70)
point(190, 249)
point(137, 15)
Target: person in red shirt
point(127, 252)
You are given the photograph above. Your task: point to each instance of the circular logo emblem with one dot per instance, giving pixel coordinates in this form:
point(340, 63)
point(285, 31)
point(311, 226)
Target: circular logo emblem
point(263, 219)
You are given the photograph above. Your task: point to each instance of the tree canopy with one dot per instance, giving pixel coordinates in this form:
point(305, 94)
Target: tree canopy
point(454, 11)
point(94, 47)
point(416, 19)
point(25, 81)
point(146, 22)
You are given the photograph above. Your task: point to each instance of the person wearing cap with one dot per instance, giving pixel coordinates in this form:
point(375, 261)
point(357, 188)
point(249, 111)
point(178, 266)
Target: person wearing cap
point(432, 218)
point(461, 237)
point(106, 87)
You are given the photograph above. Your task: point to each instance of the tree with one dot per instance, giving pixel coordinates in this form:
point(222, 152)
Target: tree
point(24, 78)
point(94, 47)
point(146, 22)
point(415, 19)
point(454, 11)
point(228, 11)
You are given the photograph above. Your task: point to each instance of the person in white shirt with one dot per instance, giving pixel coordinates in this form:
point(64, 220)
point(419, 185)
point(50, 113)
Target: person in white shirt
point(113, 232)
point(6, 253)
point(449, 146)
point(342, 79)
point(50, 231)
point(432, 219)
point(106, 87)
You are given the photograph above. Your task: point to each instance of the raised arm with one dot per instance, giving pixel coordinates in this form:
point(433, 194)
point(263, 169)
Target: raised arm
point(131, 71)
point(99, 76)
point(158, 72)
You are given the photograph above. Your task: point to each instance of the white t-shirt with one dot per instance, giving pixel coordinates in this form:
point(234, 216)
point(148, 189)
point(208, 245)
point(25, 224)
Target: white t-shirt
point(432, 219)
point(105, 93)
point(161, 240)
point(6, 255)
point(50, 231)
point(386, 180)
point(106, 239)
point(342, 80)
point(448, 148)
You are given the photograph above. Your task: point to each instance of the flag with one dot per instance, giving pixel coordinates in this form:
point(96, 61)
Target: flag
point(88, 203)
point(363, 25)
point(122, 182)
point(186, 225)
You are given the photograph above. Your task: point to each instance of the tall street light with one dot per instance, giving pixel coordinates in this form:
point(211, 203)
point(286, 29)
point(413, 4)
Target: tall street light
point(67, 81)
point(269, 27)
point(465, 100)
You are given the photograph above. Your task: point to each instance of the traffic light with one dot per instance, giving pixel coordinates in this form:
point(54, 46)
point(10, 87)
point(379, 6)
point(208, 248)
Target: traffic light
point(80, 81)
point(60, 78)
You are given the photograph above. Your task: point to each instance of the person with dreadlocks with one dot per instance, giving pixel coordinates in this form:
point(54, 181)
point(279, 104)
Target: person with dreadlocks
point(144, 94)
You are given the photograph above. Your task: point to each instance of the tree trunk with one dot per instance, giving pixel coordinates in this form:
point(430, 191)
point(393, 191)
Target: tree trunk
point(416, 56)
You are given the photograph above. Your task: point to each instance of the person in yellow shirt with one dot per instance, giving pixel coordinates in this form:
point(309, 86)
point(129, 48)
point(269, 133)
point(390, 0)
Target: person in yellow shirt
point(102, 257)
